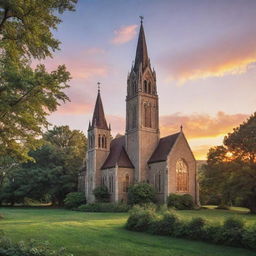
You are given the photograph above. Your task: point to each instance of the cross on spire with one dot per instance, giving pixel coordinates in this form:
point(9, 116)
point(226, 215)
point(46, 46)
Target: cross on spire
point(141, 19)
point(98, 87)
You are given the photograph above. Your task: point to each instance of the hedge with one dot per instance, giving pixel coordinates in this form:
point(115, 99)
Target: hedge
point(232, 232)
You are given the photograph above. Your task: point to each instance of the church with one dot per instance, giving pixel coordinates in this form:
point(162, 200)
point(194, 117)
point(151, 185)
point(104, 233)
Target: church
point(140, 155)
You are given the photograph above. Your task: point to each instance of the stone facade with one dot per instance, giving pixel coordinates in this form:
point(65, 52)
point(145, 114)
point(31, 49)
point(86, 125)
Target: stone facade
point(140, 155)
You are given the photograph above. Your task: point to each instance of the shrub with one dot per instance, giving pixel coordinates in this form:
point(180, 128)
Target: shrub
point(33, 248)
point(74, 199)
point(232, 232)
point(141, 219)
point(180, 202)
point(213, 233)
point(166, 225)
point(101, 194)
point(194, 229)
point(104, 207)
point(141, 193)
point(249, 237)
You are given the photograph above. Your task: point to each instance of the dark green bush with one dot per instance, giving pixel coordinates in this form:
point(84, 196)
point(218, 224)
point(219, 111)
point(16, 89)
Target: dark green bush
point(101, 194)
point(194, 229)
point(249, 237)
point(104, 207)
point(74, 199)
point(141, 219)
point(166, 225)
point(232, 232)
point(141, 193)
point(33, 248)
point(180, 202)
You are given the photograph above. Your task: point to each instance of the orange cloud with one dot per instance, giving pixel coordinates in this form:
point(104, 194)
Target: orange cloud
point(201, 125)
point(75, 108)
point(229, 55)
point(124, 34)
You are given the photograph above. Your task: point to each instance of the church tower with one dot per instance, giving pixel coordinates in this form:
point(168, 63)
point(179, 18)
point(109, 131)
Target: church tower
point(142, 121)
point(99, 138)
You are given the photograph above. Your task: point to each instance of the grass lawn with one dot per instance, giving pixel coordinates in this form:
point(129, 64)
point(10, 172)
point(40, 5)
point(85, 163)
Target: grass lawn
point(103, 233)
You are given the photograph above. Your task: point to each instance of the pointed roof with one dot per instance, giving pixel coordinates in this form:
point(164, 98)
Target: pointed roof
point(141, 52)
point(98, 119)
point(118, 155)
point(163, 148)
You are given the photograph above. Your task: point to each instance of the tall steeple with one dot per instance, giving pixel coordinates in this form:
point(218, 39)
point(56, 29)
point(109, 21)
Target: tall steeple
point(141, 52)
point(142, 121)
point(99, 120)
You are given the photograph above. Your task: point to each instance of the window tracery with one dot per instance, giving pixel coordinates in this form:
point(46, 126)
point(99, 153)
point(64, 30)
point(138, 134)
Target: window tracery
point(181, 176)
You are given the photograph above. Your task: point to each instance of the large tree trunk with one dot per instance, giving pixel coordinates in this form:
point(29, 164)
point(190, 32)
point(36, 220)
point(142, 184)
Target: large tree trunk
point(252, 205)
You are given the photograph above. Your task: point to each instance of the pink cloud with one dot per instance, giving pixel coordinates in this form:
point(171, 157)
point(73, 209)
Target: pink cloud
point(230, 55)
point(124, 34)
point(201, 125)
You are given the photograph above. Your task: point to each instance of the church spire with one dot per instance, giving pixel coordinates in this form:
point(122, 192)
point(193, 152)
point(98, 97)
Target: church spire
point(99, 120)
point(141, 52)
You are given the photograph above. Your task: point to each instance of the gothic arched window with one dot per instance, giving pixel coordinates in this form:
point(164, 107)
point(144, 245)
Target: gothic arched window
point(99, 141)
point(145, 86)
point(149, 88)
point(158, 182)
point(111, 184)
point(126, 183)
point(147, 115)
point(181, 176)
point(134, 117)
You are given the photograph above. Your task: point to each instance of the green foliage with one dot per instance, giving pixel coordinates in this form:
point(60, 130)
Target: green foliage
point(141, 219)
point(28, 95)
point(232, 232)
point(249, 237)
point(230, 172)
point(32, 248)
point(180, 202)
point(195, 228)
point(54, 172)
point(141, 193)
point(101, 194)
point(74, 200)
point(104, 207)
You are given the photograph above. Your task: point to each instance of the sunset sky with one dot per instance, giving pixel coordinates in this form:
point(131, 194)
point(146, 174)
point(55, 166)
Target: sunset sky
point(204, 54)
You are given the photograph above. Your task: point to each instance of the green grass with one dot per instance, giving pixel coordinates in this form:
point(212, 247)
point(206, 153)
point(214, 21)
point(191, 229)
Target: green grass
point(101, 234)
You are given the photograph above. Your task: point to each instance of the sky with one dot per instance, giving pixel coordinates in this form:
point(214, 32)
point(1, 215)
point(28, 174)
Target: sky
point(204, 54)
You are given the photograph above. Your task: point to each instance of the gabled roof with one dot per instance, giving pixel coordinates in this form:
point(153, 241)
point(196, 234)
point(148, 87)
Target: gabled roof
point(118, 155)
point(163, 148)
point(141, 52)
point(99, 119)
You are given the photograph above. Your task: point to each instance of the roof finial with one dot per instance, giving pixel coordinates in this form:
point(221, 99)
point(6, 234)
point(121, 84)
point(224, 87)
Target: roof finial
point(141, 19)
point(98, 87)
point(181, 128)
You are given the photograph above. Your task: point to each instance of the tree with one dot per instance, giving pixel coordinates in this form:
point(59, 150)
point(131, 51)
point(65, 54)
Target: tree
point(54, 172)
point(231, 169)
point(28, 95)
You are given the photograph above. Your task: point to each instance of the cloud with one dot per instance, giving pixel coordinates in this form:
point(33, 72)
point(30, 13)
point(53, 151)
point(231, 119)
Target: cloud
point(232, 54)
point(117, 124)
point(201, 125)
point(124, 34)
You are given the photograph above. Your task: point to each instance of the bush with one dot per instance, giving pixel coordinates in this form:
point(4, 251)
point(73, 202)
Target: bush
point(8, 248)
point(166, 225)
point(249, 237)
point(141, 219)
point(194, 229)
point(232, 232)
point(74, 199)
point(180, 202)
point(101, 194)
point(141, 193)
point(213, 233)
point(104, 207)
